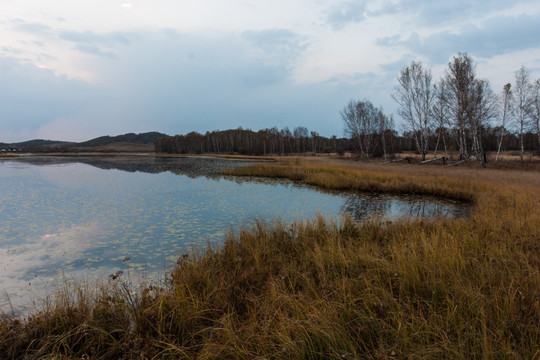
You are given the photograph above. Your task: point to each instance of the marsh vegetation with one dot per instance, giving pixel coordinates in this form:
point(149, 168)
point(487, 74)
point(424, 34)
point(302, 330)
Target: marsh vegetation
point(73, 218)
point(452, 288)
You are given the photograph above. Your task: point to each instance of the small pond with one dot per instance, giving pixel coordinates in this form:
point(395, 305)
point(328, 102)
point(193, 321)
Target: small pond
point(65, 218)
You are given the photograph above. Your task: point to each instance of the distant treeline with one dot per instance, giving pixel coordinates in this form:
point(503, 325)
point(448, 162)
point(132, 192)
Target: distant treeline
point(301, 140)
point(263, 142)
point(459, 113)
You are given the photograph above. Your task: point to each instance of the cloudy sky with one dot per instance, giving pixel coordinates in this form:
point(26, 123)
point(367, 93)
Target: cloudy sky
point(78, 69)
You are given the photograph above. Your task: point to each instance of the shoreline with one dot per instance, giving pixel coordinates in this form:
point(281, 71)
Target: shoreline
point(136, 154)
point(508, 161)
point(467, 287)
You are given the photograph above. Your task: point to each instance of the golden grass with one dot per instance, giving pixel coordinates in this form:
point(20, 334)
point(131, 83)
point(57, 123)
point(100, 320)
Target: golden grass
point(341, 177)
point(460, 289)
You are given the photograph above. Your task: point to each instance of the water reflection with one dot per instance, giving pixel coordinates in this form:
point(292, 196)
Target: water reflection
point(371, 206)
point(64, 217)
point(192, 167)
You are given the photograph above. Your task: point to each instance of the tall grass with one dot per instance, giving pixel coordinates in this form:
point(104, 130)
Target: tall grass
point(346, 178)
point(460, 289)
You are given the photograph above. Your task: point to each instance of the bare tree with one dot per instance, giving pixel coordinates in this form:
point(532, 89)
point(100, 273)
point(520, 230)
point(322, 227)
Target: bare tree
point(300, 133)
point(522, 105)
point(471, 104)
point(506, 113)
point(385, 123)
point(415, 96)
point(362, 123)
point(314, 136)
point(535, 108)
point(483, 108)
point(440, 115)
point(458, 81)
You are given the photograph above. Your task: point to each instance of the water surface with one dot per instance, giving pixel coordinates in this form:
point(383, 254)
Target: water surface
point(91, 217)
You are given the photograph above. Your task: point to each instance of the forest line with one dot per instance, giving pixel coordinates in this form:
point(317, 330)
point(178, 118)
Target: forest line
point(460, 113)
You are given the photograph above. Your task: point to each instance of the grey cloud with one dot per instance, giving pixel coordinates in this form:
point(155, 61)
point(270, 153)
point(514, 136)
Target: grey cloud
point(429, 12)
point(176, 83)
point(281, 48)
point(94, 50)
point(195, 83)
point(346, 12)
point(385, 8)
point(33, 28)
point(496, 35)
point(10, 50)
point(276, 40)
point(394, 40)
point(96, 44)
point(85, 41)
point(92, 37)
point(392, 69)
point(417, 12)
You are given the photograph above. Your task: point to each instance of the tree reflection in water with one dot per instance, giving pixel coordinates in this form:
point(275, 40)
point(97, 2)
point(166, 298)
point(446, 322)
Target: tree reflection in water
point(362, 207)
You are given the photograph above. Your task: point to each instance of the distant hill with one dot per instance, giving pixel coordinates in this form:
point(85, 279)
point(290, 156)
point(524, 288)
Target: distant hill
point(126, 142)
point(36, 143)
point(144, 138)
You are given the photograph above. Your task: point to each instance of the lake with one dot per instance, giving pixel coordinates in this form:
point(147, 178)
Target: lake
point(66, 218)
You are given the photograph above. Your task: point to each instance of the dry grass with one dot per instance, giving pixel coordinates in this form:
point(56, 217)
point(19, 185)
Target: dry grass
point(507, 160)
point(460, 289)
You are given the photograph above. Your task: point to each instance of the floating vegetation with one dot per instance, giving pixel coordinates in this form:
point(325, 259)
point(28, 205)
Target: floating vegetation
point(63, 217)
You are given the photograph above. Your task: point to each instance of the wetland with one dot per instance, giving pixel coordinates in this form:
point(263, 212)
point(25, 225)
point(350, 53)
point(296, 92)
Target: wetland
point(89, 217)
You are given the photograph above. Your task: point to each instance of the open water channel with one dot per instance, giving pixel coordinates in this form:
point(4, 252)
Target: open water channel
point(86, 218)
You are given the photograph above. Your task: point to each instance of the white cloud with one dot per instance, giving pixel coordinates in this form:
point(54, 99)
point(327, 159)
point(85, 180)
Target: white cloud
point(180, 66)
point(346, 12)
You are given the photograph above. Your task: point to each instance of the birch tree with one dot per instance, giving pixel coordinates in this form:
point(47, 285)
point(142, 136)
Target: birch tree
point(458, 80)
point(483, 108)
point(471, 104)
point(535, 109)
point(522, 105)
point(362, 123)
point(385, 123)
point(415, 96)
point(440, 115)
point(300, 133)
point(506, 112)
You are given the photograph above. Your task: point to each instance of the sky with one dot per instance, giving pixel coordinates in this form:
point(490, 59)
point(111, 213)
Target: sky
point(78, 69)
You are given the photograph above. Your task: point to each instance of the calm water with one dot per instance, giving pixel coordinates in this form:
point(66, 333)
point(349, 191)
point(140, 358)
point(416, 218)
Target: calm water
point(73, 218)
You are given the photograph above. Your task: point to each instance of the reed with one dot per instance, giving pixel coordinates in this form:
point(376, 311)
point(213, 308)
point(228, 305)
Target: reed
point(313, 289)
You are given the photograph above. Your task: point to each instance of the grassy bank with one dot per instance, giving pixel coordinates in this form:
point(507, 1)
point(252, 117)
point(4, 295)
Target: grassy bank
point(461, 289)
